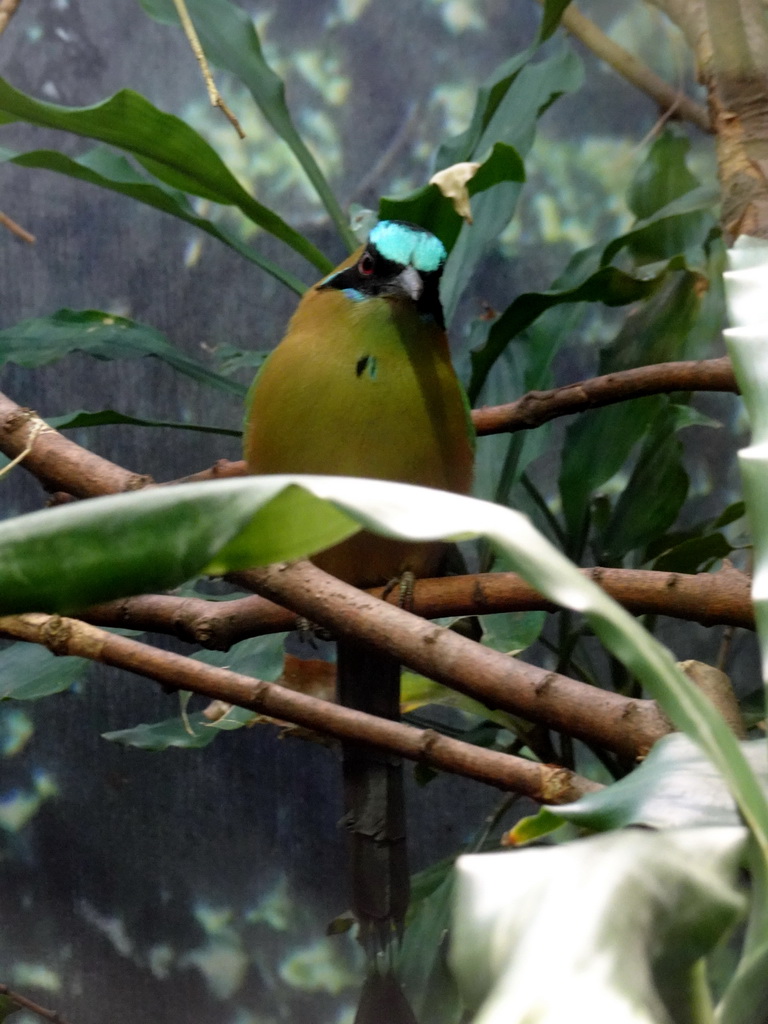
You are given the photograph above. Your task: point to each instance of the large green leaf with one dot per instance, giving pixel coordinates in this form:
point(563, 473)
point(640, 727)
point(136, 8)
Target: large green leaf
point(606, 284)
point(489, 97)
point(63, 558)
point(112, 171)
point(662, 178)
point(704, 535)
point(28, 672)
point(109, 417)
point(260, 657)
point(190, 733)
point(701, 199)
point(512, 121)
point(164, 145)
point(660, 329)
point(229, 39)
point(676, 786)
point(589, 277)
point(43, 340)
point(685, 312)
point(511, 633)
point(623, 917)
point(429, 207)
point(422, 968)
point(694, 553)
point(747, 340)
point(745, 999)
point(553, 12)
point(654, 494)
point(597, 445)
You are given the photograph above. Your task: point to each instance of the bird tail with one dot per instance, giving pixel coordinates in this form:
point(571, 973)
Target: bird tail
point(382, 1002)
point(375, 818)
point(374, 800)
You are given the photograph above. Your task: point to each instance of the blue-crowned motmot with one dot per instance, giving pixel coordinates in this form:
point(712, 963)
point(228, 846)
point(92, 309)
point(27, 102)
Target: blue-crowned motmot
point(362, 385)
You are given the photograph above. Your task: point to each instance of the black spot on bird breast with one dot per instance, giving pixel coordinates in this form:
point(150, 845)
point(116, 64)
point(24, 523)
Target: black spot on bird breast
point(367, 365)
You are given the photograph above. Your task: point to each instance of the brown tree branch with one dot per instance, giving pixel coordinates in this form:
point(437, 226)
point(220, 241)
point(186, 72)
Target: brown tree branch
point(57, 462)
point(539, 407)
point(222, 469)
point(625, 726)
point(62, 465)
point(718, 689)
point(720, 598)
point(546, 783)
point(628, 727)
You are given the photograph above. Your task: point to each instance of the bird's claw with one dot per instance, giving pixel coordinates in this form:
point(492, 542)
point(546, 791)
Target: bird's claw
point(310, 631)
point(405, 584)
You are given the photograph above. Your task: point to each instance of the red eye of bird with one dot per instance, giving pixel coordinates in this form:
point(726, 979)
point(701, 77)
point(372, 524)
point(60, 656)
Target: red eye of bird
point(365, 264)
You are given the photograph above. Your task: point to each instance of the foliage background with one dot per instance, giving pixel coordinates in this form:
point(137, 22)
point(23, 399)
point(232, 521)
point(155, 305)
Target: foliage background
point(235, 849)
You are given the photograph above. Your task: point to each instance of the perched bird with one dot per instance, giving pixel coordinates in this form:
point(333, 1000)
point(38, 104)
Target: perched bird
point(362, 385)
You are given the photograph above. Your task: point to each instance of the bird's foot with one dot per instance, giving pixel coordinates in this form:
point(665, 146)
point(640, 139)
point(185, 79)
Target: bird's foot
point(405, 584)
point(309, 632)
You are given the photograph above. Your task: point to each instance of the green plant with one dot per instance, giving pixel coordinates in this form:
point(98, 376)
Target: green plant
point(614, 490)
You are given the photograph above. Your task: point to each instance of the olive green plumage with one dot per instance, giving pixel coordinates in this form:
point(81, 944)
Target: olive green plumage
point(362, 385)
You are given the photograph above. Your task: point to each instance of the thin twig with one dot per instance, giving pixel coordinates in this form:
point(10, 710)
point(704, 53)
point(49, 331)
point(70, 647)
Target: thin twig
point(38, 427)
point(194, 41)
point(7, 10)
point(629, 67)
point(26, 1004)
point(726, 643)
point(396, 144)
point(656, 127)
point(492, 820)
point(5, 220)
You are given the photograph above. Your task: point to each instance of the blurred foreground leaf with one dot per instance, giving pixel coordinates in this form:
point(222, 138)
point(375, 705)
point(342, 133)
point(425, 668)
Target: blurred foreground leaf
point(520, 912)
point(64, 558)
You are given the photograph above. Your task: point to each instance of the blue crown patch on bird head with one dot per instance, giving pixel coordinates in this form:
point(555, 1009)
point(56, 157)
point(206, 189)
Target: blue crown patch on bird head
point(400, 263)
point(408, 244)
